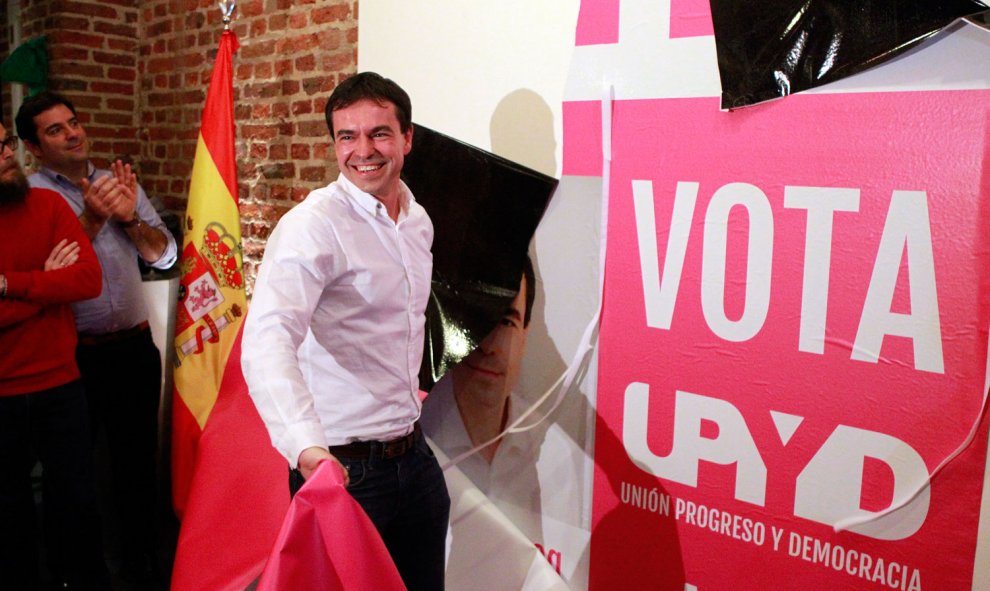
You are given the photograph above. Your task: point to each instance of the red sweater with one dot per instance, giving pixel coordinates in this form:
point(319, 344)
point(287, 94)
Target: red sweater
point(37, 330)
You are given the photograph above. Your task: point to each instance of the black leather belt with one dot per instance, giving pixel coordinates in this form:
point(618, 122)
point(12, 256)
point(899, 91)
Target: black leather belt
point(377, 450)
point(113, 337)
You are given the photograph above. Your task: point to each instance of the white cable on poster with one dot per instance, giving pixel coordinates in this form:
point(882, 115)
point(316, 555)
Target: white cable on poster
point(564, 383)
point(851, 522)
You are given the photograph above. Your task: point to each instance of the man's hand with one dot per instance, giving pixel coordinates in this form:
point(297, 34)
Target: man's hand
point(64, 254)
point(311, 457)
point(123, 173)
point(126, 206)
point(100, 198)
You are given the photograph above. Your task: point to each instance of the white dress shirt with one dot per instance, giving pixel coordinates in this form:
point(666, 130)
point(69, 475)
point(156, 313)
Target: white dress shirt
point(510, 480)
point(333, 339)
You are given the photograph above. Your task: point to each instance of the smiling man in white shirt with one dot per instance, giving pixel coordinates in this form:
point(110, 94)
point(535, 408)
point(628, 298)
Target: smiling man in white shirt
point(334, 339)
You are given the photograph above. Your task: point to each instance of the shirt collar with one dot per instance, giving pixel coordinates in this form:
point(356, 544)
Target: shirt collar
point(442, 421)
point(526, 442)
point(62, 179)
point(371, 204)
point(451, 435)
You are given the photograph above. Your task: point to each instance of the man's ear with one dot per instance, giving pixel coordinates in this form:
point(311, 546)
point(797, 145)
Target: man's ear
point(408, 139)
point(32, 148)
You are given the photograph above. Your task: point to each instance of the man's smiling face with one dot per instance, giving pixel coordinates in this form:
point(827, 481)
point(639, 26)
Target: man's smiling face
point(491, 371)
point(371, 147)
point(61, 139)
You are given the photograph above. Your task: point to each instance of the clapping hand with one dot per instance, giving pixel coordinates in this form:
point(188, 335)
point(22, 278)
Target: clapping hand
point(101, 197)
point(126, 207)
point(112, 196)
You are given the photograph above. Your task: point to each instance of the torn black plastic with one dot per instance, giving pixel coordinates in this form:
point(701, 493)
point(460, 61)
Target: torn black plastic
point(769, 50)
point(485, 210)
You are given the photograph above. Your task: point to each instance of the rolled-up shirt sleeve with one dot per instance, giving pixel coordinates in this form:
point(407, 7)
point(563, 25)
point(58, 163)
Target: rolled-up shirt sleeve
point(146, 211)
point(297, 265)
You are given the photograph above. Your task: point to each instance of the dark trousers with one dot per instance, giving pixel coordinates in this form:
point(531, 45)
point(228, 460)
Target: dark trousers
point(123, 387)
point(406, 498)
point(50, 426)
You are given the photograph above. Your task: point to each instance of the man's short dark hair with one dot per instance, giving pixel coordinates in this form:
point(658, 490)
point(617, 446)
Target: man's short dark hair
point(34, 106)
point(530, 278)
point(368, 85)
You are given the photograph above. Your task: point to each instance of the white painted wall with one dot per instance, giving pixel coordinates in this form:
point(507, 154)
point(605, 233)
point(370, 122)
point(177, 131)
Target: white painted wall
point(458, 60)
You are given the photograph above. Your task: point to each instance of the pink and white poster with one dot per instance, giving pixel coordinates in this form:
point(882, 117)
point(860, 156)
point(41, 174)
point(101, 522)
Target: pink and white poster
point(794, 329)
point(793, 339)
point(794, 335)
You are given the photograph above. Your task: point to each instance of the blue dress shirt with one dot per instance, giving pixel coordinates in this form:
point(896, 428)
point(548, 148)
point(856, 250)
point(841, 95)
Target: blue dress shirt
point(121, 304)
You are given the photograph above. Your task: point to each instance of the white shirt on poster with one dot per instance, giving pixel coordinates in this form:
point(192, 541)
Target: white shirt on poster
point(535, 479)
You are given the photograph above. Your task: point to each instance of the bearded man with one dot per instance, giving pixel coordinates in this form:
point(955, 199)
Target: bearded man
point(46, 263)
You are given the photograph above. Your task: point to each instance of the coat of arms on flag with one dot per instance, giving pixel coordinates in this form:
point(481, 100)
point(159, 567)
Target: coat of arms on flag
point(205, 273)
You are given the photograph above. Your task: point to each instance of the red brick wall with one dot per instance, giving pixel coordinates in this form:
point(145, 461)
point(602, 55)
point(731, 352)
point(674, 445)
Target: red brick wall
point(5, 32)
point(138, 69)
point(92, 60)
point(293, 52)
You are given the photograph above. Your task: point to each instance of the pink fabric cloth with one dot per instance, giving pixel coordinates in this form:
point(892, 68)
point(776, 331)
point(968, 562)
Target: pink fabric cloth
point(328, 543)
point(235, 474)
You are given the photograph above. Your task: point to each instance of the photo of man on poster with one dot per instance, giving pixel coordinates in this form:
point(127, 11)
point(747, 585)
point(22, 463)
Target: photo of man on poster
point(524, 471)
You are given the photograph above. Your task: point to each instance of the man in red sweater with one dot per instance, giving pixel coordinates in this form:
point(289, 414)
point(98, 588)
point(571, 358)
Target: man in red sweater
point(46, 262)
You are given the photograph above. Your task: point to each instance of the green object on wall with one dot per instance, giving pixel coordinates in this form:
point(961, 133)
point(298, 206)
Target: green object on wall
point(28, 64)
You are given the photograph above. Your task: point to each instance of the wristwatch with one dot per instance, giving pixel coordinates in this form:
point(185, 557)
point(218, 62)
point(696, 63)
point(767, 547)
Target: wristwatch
point(135, 221)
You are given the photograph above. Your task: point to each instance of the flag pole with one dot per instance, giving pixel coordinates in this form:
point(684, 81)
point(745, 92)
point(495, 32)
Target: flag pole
point(227, 9)
point(223, 463)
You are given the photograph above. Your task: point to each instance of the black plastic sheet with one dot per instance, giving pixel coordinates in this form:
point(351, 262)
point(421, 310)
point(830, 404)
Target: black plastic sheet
point(768, 50)
point(485, 210)
point(981, 20)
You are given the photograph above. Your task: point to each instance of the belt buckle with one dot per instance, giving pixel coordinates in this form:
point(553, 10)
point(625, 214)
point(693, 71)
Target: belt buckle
point(394, 449)
point(398, 447)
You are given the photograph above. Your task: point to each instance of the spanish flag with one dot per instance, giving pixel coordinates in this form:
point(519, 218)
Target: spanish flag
point(228, 483)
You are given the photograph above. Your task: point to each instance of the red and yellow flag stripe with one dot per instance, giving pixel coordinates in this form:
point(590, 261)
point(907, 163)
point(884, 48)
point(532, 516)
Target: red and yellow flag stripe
point(212, 300)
